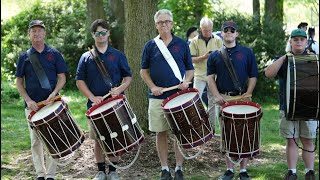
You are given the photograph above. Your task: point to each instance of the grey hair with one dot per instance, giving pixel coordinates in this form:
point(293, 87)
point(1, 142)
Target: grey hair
point(163, 11)
point(205, 21)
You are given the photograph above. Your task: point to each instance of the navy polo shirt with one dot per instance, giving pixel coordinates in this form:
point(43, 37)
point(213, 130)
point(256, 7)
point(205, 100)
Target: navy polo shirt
point(244, 63)
point(116, 64)
point(160, 71)
point(282, 75)
point(52, 63)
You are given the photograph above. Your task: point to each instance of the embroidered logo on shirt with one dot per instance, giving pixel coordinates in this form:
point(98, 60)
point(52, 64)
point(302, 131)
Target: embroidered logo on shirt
point(50, 57)
point(239, 56)
point(176, 48)
point(111, 57)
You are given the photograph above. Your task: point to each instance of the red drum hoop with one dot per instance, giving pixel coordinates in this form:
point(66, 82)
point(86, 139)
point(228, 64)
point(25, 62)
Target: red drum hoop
point(187, 118)
point(241, 128)
point(115, 125)
point(57, 129)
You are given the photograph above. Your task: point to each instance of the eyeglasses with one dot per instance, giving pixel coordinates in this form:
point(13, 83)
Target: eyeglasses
point(102, 33)
point(229, 29)
point(164, 22)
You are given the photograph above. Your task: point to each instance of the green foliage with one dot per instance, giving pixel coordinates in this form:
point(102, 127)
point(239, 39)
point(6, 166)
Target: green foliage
point(65, 27)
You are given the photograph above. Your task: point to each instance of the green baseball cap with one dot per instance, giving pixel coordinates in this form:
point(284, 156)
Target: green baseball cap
point(298, 33)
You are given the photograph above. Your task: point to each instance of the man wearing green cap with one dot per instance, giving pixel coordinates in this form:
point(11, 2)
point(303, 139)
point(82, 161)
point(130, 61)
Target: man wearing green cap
point(294, 130)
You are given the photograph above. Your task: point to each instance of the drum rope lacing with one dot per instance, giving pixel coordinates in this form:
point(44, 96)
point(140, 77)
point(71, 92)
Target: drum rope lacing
point(55, 147)
point(127, 106)
point(246, 127)
point(190, 131)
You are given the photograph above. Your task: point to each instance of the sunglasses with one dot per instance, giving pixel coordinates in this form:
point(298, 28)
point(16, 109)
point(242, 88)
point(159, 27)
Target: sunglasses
point(102, 33)
point(227, 29)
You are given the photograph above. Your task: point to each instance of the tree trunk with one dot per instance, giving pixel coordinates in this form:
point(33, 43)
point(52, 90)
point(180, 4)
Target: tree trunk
point(274, 10)
point(117, 33)
point(256, 12)
point(139, 28)
point(94, 10)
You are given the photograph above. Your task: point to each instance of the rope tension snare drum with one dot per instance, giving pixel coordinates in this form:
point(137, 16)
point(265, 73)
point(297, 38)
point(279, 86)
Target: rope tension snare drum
point(187, 118)
point(57, 129)
point(116, 126)
point(241, 128)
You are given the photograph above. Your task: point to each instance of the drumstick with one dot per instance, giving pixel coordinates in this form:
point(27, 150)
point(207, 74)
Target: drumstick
point(238, 97)
point(172, 87)
point(42, 103)
point(110, 92)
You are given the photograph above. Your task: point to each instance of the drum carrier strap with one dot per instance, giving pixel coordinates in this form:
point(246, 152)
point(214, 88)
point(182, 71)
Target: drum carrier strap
point(102, 69)
point(225, 57)
point(41, 74)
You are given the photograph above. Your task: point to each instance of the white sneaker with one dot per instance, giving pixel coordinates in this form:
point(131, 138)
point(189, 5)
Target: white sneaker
point(113, 175)
point(100, 176)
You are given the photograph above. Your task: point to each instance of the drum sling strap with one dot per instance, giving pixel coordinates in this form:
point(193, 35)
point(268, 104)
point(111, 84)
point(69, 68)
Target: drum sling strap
point(102, 69)
point(41, 74)
point(233, 75)
point(167, 55)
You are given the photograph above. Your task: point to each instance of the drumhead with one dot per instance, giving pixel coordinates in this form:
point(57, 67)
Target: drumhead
point(240, 109)
point(45, 111)
point(180, 100)
point(105, 107)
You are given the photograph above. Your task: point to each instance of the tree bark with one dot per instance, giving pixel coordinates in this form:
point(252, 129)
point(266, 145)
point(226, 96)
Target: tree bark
point(117, 33)
point(256, 12)
point(139, 28)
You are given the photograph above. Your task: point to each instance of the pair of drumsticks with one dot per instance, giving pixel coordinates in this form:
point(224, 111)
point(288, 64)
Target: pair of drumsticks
point(42, 103)
point(233, 98)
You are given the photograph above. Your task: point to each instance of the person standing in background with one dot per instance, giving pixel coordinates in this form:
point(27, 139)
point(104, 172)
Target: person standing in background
point(200, 47)
point(191, 33)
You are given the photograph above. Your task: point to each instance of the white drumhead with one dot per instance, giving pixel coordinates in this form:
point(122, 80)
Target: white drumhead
point(240, 109)
point(105, 107)
point(45, 111)
point(180, 100)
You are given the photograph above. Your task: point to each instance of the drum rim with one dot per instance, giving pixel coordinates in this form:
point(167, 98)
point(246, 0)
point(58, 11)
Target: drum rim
point(176, 95)
point(109, 110)
point(60, 108)
point(250, 103)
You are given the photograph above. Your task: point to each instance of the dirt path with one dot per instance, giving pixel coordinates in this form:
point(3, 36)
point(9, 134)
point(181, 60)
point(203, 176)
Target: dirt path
point(147, 166)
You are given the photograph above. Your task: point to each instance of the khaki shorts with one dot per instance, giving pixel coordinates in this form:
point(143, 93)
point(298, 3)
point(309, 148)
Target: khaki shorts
point(296, 129)
point(92, 132)
point(157, 120)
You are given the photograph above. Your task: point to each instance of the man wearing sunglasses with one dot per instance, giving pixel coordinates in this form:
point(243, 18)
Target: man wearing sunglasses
point(92, 83)
point(222, 86)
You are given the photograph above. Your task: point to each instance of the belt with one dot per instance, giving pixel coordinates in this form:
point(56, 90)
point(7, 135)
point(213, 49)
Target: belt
point(231, 93)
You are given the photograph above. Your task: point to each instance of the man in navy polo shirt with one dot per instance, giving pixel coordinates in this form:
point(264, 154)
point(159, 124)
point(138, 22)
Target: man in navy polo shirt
point(92, 85)
point(33, 91)
point(221, 84)
point(157, 74)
